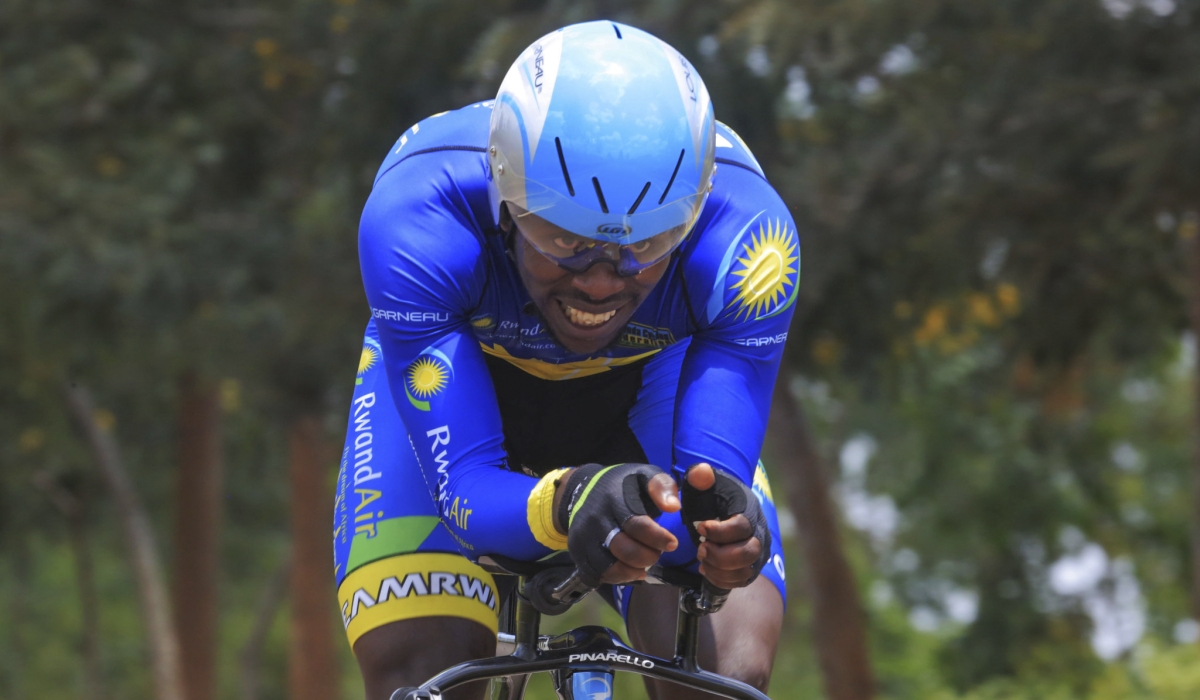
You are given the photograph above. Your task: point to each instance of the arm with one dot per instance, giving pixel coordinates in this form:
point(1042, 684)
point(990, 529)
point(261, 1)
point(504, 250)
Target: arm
point(729, 372)
point(423, 270)
point(725, 388)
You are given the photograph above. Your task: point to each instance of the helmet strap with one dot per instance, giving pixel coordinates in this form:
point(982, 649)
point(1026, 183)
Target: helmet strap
point(509, 230)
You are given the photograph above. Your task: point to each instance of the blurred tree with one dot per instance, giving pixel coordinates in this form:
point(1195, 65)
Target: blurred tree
point(95, 426)
point(312, 665)
point(839, 621)
point(198, 509)
point(72, 508)
point(990, 190)
point(993, 199)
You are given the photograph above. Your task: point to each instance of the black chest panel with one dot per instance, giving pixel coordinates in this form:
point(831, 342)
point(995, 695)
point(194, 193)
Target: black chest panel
point(550, 424)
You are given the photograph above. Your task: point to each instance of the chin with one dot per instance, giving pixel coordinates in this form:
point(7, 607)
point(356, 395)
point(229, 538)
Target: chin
point(584, 346)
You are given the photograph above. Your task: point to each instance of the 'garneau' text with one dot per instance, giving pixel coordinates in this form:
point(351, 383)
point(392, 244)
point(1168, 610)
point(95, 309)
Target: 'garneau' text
point(765, 340)
point(411, 316)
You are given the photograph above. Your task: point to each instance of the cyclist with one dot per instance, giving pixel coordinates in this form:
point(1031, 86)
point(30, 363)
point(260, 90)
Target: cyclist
point(579, 294)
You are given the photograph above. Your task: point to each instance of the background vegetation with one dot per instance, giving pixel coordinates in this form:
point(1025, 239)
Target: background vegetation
point(993, 350)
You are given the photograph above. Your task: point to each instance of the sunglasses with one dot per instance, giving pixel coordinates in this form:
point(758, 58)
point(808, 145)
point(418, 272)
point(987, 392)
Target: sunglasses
point(577, 254)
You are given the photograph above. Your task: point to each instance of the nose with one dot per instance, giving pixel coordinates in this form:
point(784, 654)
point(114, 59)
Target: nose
point(599, 282)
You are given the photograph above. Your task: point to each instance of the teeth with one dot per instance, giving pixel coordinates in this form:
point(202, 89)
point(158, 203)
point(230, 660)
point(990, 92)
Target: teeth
point(583, 318)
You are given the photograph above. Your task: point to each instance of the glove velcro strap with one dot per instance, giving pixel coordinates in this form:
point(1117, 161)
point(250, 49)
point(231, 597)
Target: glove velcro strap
point(540, 512)
point(579, 487)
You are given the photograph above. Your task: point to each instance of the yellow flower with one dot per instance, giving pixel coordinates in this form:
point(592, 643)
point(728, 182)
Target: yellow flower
point(265, 47)
point(105, 420)
point(272, 79)
point(230, 391)
point(826, 351)
point(31, 440)
point(1009, 298)
point(109, 166)
point(982, 310)
point(933, 326)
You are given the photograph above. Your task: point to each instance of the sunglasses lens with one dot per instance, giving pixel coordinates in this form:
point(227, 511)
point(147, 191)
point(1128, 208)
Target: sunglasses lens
point(578, 253)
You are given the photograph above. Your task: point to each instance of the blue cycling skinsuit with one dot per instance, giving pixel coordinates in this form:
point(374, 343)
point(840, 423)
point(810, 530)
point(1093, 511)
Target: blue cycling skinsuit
point(464, 400)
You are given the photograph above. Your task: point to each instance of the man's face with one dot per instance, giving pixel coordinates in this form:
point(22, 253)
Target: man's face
point(584, 311)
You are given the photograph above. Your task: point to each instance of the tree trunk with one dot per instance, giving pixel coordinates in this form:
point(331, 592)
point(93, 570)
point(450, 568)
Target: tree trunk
point(312, 660)
point(71, 508)
point(93, 678)
point(198, 533)
point(839, 623)
point(139, 538)
point(1191, 242)
point(264, 616)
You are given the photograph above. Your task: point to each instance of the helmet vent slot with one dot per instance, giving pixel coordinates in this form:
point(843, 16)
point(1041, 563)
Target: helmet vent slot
point(617, 30)
point(600, 195)
point(563, 162)
point(638, 201)
point(672, 180)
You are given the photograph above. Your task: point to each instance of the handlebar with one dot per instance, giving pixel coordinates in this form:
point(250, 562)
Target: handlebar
point(553, 585)
point(552, 591)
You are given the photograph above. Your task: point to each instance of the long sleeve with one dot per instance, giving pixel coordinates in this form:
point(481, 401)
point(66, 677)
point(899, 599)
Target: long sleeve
point(424, 271)
point(749, 277)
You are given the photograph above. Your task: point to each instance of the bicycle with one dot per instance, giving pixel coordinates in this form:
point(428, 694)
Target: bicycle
point(581, 661)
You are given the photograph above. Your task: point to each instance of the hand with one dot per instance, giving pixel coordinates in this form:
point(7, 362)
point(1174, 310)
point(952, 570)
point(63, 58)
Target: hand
point(642, 540)
point(732, 547)
point(612, 534)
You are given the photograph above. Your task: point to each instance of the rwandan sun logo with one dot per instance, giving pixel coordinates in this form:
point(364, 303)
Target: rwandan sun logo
point(426, 377)
point(366, 361)
point(768, 274)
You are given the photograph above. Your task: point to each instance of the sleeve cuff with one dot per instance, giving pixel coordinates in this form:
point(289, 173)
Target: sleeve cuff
point(540, 512)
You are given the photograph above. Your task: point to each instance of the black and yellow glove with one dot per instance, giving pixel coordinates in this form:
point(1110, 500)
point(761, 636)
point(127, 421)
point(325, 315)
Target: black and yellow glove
point(727, 497)
point(597, 501)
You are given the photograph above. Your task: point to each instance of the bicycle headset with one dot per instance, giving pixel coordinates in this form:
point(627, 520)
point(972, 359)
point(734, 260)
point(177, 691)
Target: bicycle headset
point(601, 145)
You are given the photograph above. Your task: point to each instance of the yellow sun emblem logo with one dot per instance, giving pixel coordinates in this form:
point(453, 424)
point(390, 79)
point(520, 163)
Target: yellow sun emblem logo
point(426, 377)
point(768, 272)
point(761, 483)
point(366, 361)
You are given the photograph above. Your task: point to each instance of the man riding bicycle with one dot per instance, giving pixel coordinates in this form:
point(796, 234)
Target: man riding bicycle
point(579, 295)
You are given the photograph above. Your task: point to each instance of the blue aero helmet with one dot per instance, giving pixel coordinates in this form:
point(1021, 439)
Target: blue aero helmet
point(601, 144)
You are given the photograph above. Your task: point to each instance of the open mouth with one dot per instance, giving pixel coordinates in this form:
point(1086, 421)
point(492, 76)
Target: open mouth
point(583, 319)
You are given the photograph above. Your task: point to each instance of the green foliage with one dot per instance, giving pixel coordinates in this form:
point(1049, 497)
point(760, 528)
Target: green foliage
point(992, 197)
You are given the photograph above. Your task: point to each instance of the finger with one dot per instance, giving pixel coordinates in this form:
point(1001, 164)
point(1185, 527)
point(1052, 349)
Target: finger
point(735, 529)
point(727, 579)
point(622, 573)
point(643, 529)
point(730, 557)
point(701, 476)
point(633, 553)
point(664, 493)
